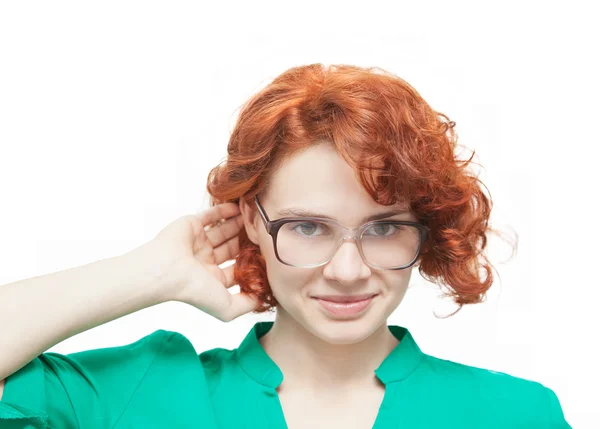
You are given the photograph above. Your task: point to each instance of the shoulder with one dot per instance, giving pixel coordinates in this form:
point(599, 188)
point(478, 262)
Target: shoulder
point(171, 344)
point(160, 347)
point(130, 361)
point(516, 399)
point(134, 354)
point(477, 376)
point(178, 367)
point(174, 345)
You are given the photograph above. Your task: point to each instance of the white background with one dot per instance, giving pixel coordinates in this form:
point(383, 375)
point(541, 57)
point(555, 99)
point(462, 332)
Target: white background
point(112, 114)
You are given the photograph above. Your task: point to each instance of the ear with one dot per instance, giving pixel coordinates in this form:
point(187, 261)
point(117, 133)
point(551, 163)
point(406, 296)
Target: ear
point(251, 220)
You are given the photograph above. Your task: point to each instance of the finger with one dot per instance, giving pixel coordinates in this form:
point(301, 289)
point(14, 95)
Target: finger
point(242, 303)
point(213, 214)
point(227, 251)
point(229, 280)
point(227, 230)
point(240, 221)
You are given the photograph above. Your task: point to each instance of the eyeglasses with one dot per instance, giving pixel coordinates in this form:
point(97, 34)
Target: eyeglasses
point(310, 242)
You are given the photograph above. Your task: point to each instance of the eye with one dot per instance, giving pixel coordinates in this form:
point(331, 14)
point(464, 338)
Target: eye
point(307, 229)
point(384, 229)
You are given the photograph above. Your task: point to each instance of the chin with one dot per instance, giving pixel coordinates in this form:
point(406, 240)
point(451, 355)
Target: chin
point(343, 335)
point(341, 331)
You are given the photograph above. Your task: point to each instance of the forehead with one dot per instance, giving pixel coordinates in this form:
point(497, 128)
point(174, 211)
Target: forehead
point(318, 179)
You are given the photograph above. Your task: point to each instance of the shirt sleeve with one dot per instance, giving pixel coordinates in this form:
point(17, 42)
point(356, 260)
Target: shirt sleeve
point(557, 418)
point(88, 389)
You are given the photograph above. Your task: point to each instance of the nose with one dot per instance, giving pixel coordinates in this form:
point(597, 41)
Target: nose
point(347, 266)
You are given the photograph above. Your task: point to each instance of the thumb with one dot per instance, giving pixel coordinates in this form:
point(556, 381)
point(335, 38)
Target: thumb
point(242, 303)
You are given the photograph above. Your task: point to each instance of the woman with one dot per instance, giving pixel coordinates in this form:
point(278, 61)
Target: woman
point(338, 181)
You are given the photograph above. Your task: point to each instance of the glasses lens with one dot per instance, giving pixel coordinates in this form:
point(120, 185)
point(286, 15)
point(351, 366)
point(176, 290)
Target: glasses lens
point(306, 243)
point(385, 244)
point(390, 245)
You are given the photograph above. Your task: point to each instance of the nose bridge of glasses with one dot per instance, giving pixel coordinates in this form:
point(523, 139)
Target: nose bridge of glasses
point(346, 234)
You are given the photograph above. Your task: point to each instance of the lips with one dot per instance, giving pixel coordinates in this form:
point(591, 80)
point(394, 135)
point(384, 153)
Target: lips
point(345, 298)
point(346, 310)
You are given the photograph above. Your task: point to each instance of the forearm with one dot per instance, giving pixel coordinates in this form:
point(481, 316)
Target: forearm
point(40, 312)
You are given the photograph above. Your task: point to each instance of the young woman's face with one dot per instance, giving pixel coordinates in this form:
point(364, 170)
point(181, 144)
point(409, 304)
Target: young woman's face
point(319, 180)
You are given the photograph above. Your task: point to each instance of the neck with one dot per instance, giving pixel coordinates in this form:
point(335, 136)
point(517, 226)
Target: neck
point(311, 363)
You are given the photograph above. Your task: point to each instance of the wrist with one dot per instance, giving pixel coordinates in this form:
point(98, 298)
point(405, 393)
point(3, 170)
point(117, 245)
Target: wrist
point(154, 272)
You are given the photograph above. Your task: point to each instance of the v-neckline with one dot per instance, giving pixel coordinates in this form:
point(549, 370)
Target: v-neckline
point(395, 368)
point(388, 415)
point(385, 414)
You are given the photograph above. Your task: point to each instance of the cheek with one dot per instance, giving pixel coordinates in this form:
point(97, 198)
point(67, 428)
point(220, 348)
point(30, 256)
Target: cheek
point(283, 278)
point(289, 278)
point(289, 284)
point(396, 282)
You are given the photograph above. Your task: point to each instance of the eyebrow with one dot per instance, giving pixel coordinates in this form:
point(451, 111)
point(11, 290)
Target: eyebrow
point(297, 212)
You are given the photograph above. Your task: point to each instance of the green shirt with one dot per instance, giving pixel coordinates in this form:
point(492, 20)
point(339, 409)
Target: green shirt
point(160, 381)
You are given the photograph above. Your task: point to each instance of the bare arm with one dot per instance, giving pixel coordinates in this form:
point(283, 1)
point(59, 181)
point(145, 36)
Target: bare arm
point(40, 312)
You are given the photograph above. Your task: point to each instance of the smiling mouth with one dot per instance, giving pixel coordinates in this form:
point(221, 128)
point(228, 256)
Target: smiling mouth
point(346, 299)
point(345, 309)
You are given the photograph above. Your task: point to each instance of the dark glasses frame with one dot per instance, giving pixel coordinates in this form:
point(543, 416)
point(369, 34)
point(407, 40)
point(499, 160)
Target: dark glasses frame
point(273, 227)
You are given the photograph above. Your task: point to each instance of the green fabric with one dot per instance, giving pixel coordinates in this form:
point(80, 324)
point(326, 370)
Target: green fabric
point(160, 381)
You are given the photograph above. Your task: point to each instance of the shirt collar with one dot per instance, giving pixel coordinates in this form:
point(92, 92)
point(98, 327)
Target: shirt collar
point(397, 366)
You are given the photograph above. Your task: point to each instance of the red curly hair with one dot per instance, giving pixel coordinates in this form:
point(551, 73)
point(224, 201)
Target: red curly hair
point(400, 148)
